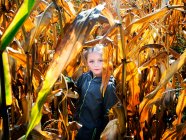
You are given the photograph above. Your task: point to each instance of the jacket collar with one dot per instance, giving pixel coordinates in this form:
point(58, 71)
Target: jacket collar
point(97, 79)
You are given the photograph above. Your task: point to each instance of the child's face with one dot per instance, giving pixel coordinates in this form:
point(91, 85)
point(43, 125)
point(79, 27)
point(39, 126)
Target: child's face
point(95, 63)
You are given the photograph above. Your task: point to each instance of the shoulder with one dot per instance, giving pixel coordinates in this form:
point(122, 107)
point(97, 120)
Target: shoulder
point(83, 77)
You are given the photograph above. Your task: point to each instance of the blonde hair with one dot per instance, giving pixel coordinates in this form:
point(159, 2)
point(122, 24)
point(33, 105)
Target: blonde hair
point(98, 48)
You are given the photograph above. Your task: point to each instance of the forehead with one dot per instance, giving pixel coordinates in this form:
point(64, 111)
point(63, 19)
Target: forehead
point(94, 55)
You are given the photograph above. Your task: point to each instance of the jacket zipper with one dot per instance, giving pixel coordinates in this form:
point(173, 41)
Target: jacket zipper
point(85, 95)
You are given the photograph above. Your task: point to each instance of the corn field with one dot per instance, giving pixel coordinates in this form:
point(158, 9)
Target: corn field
point(42, 43)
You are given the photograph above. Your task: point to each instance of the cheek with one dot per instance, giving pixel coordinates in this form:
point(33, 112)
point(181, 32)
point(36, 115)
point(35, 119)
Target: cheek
point(90, 65)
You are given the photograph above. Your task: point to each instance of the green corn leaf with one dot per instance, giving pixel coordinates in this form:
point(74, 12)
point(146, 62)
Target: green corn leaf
point(17, 22)
point(8, 88)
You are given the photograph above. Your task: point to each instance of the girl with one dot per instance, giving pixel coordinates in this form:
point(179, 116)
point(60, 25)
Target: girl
point(92, 109)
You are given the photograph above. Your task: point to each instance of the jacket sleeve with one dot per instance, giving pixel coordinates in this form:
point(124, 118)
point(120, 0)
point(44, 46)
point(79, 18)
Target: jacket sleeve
point(110, 99)
point(79, 83)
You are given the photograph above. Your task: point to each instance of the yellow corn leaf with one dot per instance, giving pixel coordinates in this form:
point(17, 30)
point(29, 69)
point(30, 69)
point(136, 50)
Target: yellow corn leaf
point(136, 45)
point(133, 41)
point(175, 133)
point(73, 70)
point(120, 51)
point(131, 70)
point(106, 12)
point(146, 106)
point(164, 79)
point(138, 24)
point(16, 45)
point(111, 131)
point(118, 72)
point(69, 13)
point(73, 66)
point(168, 133)
point(79, 72)
point(134, 90)
point(29, 25)
point(21, 60)
point(150, 79)
point(121, 116)
point(155, 46)
point(38, 77)
point(17, 55)
point(107, 67)
point(41, 23)
point(69, 8)
point(96, 2)
point(42, 5)
point(133, 81)
point(116, 127)
point(153, 61)
point(168, 73)
point(41, 53)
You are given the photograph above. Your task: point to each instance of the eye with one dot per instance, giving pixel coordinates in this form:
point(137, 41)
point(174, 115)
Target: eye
point(101, 60)
point(91, 61)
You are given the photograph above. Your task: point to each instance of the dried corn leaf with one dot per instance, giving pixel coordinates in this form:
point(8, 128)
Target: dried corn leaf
point(121, 116)
point(138, 24)
point(111, 131)
point(134, 90)
point(146, 106)
point(181, 104)
point(134, 40)
point(155, 46)
point(28, 25)
point(38, 77)
point(17, 55)
point(42, 5)
point(157, 93)
point(69, 8)
point(167, 74)
point(136, 45)
point(41, 22)
point(175, 133)
point(106, 12)
point(118, 72)
point(116, 128)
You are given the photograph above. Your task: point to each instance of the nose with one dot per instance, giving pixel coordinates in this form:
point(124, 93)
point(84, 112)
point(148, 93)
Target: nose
point(95, 64)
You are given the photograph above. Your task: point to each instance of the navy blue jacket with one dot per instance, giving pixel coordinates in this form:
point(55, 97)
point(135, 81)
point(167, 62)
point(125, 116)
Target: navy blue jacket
point(92, 109)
